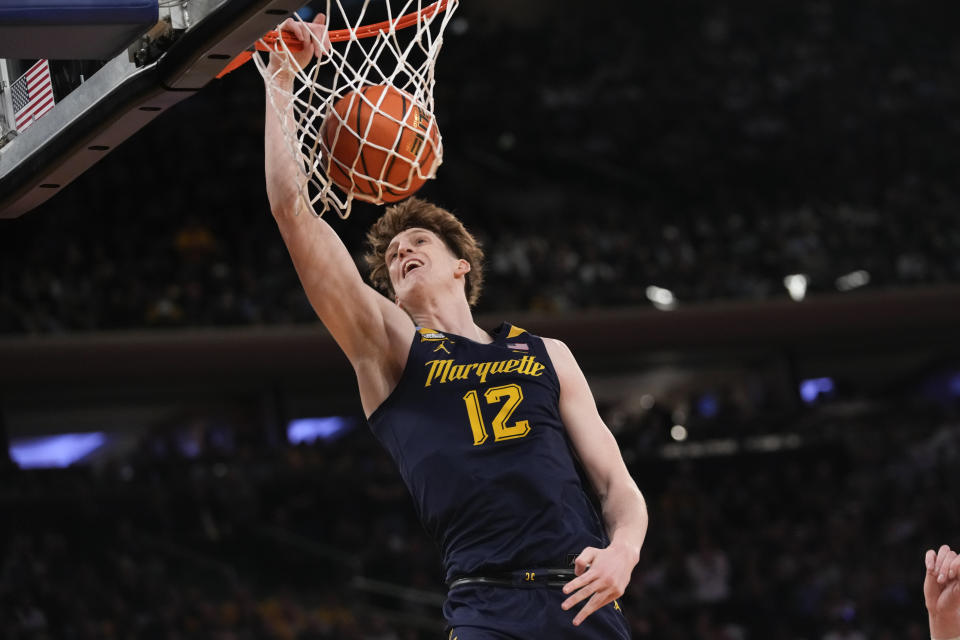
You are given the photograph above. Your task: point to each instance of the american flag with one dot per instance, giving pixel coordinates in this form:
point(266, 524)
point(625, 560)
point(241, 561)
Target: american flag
point(32, 95)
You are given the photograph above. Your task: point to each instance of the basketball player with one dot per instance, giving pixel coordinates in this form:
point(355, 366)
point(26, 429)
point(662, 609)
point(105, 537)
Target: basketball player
point(941, 591)
point(488, 429)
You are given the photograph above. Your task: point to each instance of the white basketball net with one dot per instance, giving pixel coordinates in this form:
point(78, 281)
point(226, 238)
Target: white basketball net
point(401, 57)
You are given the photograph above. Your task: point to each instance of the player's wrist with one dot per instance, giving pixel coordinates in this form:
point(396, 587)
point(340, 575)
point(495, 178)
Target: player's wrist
point(631, 551)
point(281, 75)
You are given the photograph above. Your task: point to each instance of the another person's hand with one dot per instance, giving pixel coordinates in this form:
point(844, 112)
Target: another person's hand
point(941, 590)
point(314, 37)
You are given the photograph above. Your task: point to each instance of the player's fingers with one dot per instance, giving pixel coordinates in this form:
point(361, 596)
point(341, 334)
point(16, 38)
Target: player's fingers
point(947, 567)
point(582, 563)
point(595, 602)
point(930, 586)
point(950, 569)
point(577, 583)
point(576, 598)
point(941, 556)
point(296, 29)
point(321, 37)
point(944, 557)
point(318, 30)
point(954, 567)
point(298, 32)
point(579, 595)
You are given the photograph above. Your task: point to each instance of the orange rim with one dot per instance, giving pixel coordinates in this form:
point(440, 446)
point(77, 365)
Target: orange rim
point(270, 40)
point(363, 31)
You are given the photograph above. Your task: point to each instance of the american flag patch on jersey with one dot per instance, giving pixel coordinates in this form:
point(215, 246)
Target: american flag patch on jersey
point(521, 346)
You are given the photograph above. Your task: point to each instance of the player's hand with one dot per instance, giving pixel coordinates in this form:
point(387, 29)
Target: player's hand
point(941, 590)
point(602, 577)
point(313, 35)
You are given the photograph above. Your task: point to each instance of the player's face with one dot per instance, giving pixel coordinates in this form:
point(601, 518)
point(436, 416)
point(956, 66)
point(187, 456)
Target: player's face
point(418, 256)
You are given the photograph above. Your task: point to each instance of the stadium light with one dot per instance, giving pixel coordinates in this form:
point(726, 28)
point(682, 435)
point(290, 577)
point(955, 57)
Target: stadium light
point(813, 388)
point(853, 280)
point(309, 429)
point(662, 299)
point(60, 450)
point(796, 284)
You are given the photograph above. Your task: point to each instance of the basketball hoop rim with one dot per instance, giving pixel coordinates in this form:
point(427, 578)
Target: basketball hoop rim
point(370, 53)
point(270, 40)
point(371, 30)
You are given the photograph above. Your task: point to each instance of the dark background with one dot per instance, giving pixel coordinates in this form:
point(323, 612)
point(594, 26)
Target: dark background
point(596, 149)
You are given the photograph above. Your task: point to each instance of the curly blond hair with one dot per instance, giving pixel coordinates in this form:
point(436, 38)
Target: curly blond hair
point(414, 212)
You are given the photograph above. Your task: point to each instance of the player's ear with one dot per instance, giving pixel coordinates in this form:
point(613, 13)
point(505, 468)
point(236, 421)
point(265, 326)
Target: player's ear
point(463, 267)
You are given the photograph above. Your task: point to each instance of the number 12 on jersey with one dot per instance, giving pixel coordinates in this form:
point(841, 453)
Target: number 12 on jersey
point(511, 395)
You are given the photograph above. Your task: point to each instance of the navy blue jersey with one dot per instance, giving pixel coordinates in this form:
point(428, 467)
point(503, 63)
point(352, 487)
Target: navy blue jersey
point(475, 430)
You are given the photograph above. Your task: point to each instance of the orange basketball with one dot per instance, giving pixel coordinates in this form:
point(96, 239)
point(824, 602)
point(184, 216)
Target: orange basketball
point(379, 144)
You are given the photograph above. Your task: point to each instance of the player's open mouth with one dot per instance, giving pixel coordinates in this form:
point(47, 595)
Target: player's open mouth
point(410, 266)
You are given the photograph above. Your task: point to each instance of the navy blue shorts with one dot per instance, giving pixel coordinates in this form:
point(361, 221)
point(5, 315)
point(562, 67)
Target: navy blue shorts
point(482, 612)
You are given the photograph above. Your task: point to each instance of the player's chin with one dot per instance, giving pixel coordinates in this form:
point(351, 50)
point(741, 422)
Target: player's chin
point(413, 289)
point(403, 289)
point(412, 280)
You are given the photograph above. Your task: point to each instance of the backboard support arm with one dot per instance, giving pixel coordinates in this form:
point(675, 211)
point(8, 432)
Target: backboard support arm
point(121, 98)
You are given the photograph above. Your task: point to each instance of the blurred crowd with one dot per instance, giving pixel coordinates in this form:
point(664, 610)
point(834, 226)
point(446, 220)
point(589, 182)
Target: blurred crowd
point(710, 149)
point(821, 540)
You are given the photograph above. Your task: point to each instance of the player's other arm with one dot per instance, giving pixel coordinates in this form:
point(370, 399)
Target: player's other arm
point(373, 333)
point(941, 592)
point(603, 574)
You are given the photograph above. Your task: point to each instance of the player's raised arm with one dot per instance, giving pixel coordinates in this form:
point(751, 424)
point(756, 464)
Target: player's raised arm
point(283, 176)
point(374, 334)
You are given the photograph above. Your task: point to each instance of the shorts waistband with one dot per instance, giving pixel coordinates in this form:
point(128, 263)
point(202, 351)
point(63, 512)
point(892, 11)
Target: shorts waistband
point(523, 578)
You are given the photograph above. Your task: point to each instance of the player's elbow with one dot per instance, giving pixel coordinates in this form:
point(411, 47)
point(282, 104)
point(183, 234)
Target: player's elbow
point(289, 214)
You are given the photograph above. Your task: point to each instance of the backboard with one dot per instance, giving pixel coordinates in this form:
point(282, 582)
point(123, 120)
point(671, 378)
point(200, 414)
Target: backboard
point(163, 64)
